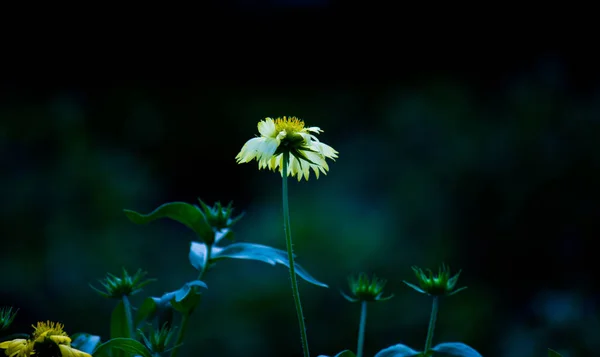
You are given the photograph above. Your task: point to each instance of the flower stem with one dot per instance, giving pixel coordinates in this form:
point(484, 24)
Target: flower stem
point(288, 243)
point(185, 318)
point(361, 329)
point(432, 319)
point(128, 316)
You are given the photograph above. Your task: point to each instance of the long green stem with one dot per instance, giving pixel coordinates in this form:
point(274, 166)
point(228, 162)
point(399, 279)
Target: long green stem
point(431, 328)
point(361, 329)
point(288, 243)
point(185, 318)
point(128, 316)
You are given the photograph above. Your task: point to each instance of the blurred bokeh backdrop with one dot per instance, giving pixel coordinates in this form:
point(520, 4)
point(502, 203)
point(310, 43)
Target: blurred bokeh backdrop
point(493, 172)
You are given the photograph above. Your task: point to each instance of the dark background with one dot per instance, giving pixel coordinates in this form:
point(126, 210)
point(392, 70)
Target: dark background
point(482, 156)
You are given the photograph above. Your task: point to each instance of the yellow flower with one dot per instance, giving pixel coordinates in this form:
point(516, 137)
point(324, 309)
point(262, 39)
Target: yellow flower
point(17, 348)
point(44, 333)
point(288, 135)
point(51, 330)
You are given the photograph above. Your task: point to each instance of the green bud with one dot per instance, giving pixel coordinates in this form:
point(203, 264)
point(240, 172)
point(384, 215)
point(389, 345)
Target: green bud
point(7, 315)
point(158, 340)
point(116, 287)
point(364, 289)
point(219, 218)
point(436, 285)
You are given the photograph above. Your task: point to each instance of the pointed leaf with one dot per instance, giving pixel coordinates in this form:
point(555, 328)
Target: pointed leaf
point(182, 212)
point(398, 350)
point(265, 254)
point(146, 311)
point(85, 342)
point(349, 298)
point(128, 345)
point(118, 322)
point(414, 287)
point(553, 353)
point(456, 349)
point(118, 325)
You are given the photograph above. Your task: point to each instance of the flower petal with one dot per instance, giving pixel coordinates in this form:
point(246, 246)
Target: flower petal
point(250, 150)
point(58, 339)
point(267, 148)
point(314, 129)
point(68, 351)
point(266, 128)
point(16, 347)
point(326, 150)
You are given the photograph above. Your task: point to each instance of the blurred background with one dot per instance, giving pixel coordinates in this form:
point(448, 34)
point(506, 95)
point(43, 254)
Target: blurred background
point(490, 167)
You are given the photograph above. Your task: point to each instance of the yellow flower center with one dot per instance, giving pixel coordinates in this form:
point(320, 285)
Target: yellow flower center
point(289, 125)
point(48, 328)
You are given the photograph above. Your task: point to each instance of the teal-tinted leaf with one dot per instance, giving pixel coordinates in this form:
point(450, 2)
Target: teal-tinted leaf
point(188, 297)
point(182, 212)
point(414, 287)
point(127, 345)
point(344, 353)
point(398, 350)
point(265, 254)
point(456, 349)
point(85, 342)
point(553, 353)
point(197, 255)
point(146, 311)
point(183, 299)
point(182, 293)
point(158, 308)
point(224, 233)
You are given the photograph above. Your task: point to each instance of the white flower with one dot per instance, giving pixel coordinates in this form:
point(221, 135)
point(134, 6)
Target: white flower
point(288, 134)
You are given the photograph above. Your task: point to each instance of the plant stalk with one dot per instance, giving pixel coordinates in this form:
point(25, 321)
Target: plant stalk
point(288, 243)
point(431, 328)
point(185, 318)
point(361, 329)
point(128, 316)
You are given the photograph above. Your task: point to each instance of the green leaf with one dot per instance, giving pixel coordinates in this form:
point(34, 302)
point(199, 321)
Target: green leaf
point(456, 349)
point(398, 350)
point(118, 325)
point(158, 308)
point(85, 342)
point(553, 353)
point(118, 322)
point(128, 345)
point(189, 215)
point(146, 311)
point(262, 253)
